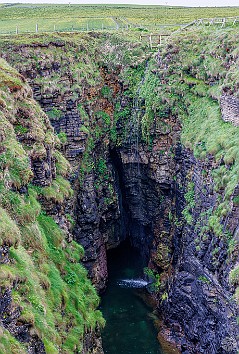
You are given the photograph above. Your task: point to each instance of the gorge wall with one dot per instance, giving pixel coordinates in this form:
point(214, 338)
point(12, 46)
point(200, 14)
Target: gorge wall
point(153, 161)
point(47, 303)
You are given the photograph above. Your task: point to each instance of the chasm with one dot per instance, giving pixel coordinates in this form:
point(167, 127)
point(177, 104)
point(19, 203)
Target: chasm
point(143, 173)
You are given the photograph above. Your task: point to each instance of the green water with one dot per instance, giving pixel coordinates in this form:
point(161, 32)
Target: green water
point(129, 328)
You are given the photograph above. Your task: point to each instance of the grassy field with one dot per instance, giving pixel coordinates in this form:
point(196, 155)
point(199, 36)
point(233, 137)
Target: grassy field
point(56, 24)
point(95, 17)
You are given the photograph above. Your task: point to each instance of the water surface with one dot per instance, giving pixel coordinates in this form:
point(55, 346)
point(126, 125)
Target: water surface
point(129, 325)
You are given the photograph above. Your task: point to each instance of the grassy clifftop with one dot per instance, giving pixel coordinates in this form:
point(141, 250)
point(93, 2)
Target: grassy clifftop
point(45, 291)
point(51, 17)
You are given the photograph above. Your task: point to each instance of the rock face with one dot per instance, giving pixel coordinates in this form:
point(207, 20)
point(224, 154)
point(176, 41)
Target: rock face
point(157, 193)
point(230, 109)
point(41, 274)
point(92, 342)
point(200, 304)
point(193, 264)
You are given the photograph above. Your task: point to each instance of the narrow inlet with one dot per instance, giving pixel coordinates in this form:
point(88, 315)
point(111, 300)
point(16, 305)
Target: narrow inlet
point(129, 322)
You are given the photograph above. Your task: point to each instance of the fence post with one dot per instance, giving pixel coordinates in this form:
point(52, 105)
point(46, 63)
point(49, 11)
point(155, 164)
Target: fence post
point(36, 27)
point(16, 29)
point(150, 41)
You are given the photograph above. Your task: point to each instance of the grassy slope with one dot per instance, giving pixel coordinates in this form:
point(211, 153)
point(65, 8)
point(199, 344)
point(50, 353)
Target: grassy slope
point(52, 290)
point(63, 16)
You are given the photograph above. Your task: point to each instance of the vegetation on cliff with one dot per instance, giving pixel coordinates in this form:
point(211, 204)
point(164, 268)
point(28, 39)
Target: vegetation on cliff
point(184, 80)
point(122, 97)
point(43, 284)
point(187, 79)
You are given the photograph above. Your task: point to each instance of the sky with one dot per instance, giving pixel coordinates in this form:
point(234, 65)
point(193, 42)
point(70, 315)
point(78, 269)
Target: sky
point(139, 2)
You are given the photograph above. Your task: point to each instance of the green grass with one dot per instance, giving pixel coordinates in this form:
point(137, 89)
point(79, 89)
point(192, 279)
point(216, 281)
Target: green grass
point(57, 191)
point(234, 280)
point(8, 344)
point(55, 24)
point(190, 203)
point(9, 232)
point(83, 17)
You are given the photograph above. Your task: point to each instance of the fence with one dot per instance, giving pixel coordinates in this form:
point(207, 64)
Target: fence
point(77, 24)
point(57, 25)
point(156, 39)
point(223, 21)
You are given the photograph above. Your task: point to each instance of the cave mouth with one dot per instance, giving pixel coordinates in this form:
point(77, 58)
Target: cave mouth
point(132, 186)
point(129, 320)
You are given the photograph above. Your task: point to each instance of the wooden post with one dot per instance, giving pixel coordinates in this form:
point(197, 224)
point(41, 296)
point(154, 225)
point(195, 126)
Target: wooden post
point(235, 20)
point(72, 28)
point(160, 39)
point(211, 22)
point(16, 29)
point(36, 27)
point(150, 41)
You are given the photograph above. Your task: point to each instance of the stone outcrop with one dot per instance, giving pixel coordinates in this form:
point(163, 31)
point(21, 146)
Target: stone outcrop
point(92, 343)
point(230, 109)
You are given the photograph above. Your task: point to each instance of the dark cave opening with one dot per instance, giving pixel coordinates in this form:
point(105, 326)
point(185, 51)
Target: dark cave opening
point(136, 215)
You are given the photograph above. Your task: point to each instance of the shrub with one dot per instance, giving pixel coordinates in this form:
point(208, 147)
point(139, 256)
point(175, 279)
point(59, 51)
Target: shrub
point(54, 114)
point(9, 232)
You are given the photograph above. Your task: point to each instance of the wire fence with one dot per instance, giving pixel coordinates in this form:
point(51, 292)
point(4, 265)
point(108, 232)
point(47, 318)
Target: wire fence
point(8, 27)
point(74, 24)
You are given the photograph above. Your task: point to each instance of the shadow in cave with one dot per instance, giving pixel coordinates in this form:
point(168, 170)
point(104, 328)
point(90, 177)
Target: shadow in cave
point(133, 190)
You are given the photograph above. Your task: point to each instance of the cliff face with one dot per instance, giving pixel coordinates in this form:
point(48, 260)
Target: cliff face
point(200, 306)
point(72, 83)
point(200, 296)
point(153, 161)
point(47, 304)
